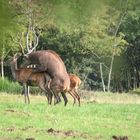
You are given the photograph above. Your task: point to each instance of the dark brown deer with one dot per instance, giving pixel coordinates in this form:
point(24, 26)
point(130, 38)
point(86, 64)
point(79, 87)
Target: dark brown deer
point(75, 82)
point(27, 77)
point(50, 62)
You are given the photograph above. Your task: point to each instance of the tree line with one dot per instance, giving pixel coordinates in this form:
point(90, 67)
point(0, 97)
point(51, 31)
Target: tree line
point(97, 40)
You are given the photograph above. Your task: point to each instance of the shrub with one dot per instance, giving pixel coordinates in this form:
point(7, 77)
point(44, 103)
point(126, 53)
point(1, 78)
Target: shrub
point(9, 86)
point(14, 87)
point(135, 91)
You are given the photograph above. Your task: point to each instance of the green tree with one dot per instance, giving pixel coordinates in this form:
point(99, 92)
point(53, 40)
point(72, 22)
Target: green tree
point(130, 28)
point(7, 26)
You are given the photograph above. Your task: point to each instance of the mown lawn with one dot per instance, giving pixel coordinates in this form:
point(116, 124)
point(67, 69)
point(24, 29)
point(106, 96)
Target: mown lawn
point(94, 120)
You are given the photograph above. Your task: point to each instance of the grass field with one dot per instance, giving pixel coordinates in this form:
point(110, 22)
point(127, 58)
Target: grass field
point(99, 118)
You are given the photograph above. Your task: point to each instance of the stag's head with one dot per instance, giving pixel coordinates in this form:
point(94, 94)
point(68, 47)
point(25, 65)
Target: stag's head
point(25, 61)
point(31, 44)
point(25, 57)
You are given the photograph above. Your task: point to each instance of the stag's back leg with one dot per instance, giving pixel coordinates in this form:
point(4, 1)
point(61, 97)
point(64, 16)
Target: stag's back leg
point(56, 97)
point(57, 86)
point(65, 98)
point(48, 93)
point(54, 86)
point(57, 100)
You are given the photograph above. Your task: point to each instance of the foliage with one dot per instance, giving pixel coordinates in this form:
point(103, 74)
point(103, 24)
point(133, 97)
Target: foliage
point(9, 87)
point(84, 34)
point(135, 91)
point(130, 28)
point(6, 16)
point(7, 26)
point(15, 88)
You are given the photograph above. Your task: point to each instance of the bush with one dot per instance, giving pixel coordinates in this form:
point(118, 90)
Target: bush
point(14, 87)
point(9, 86)
point(135, 91)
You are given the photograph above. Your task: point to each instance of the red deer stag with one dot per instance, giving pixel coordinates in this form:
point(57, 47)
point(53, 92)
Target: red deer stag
point(27, 77)
point(50, 62)
point(75, 82)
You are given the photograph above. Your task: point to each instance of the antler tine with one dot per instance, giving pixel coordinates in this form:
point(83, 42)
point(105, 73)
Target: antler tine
point(19, 42)
point(36, 41)
point(22, 50)
point(14, 57)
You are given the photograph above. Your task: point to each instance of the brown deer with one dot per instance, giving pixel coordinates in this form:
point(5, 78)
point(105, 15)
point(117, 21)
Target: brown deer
point(27, 77)
point(75, 82)
point(50, 62)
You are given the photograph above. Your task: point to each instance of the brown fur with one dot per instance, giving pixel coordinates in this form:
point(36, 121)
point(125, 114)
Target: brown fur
point(75, 82)
point(27, 77)
point(50, 62)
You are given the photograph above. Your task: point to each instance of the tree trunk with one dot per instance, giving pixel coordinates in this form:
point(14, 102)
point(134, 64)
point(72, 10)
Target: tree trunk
point(137, 77)
point(101, 70)
point(114, 48)
point(110, 71)
point(2, 68)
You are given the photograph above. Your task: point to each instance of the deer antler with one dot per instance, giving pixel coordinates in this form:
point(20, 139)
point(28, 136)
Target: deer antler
point(35, 42)
point(18, 41)
point(15, 57)
point(28, 47)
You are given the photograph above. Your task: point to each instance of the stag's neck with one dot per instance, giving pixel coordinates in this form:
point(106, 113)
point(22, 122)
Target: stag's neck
point(34, 57)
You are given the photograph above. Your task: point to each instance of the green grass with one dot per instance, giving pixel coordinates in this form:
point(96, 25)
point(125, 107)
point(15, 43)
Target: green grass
point(92, 121)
